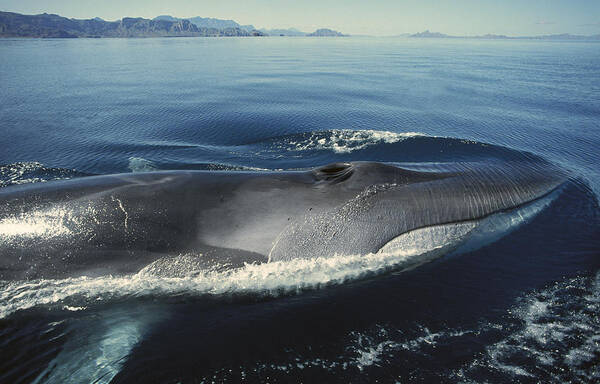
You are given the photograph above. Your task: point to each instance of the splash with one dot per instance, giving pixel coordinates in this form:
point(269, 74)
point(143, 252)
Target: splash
point(345, 140)
point(269, 279)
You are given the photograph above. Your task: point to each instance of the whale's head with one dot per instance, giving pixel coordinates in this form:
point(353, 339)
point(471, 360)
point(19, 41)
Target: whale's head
point(386, 206)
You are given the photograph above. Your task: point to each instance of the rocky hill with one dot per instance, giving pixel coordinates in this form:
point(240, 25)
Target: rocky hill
point(427, 34)
point(49, 25)
point(209, 22)
point(324, 32)
point(563, 36)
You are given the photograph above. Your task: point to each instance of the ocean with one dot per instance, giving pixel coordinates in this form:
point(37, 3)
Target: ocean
point(522, 308)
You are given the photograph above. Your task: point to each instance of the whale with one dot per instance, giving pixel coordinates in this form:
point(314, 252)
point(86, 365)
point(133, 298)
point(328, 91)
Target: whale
point(121, 223)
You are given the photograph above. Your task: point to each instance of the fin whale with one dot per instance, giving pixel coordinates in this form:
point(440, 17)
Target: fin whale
point(116, 224)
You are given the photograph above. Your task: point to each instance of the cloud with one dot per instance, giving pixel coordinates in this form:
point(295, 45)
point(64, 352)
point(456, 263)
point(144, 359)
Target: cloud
point(545, 22)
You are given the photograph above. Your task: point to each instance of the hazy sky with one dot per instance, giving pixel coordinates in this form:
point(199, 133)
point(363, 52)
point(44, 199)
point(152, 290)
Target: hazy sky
point(375, 17)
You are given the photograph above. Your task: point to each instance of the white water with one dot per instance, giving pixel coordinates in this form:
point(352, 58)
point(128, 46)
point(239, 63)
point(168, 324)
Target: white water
point(346, 140)
point(558, 330)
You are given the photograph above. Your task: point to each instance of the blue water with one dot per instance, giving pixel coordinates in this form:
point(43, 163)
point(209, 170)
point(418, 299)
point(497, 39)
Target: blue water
point(522, 309)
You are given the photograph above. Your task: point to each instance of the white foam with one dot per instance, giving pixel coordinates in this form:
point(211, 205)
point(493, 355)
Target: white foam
point(73, 309)
point(559, 332)
point(274, 279)
point(372, 355)
point(346, 140)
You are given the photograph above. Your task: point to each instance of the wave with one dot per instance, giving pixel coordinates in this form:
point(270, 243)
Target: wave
point(549, 335)
point(295, 151)
point(311, 149)
point(558, 333)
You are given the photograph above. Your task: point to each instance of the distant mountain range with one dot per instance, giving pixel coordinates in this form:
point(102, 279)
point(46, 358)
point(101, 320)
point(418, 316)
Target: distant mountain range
point(48, 25)
point(207, 22)
point(563, 36)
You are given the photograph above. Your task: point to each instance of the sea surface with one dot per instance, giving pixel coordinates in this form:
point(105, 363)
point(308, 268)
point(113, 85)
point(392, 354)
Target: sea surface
point(523, 308)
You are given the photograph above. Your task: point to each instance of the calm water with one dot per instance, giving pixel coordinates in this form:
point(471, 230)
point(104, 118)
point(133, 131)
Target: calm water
point(522, 309)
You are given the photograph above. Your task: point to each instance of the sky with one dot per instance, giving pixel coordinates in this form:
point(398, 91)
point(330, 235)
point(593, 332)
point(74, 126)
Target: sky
point(375, 17)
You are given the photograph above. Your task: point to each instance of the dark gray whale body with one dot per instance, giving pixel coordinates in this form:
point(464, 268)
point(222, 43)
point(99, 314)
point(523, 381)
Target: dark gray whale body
point(120, 223)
